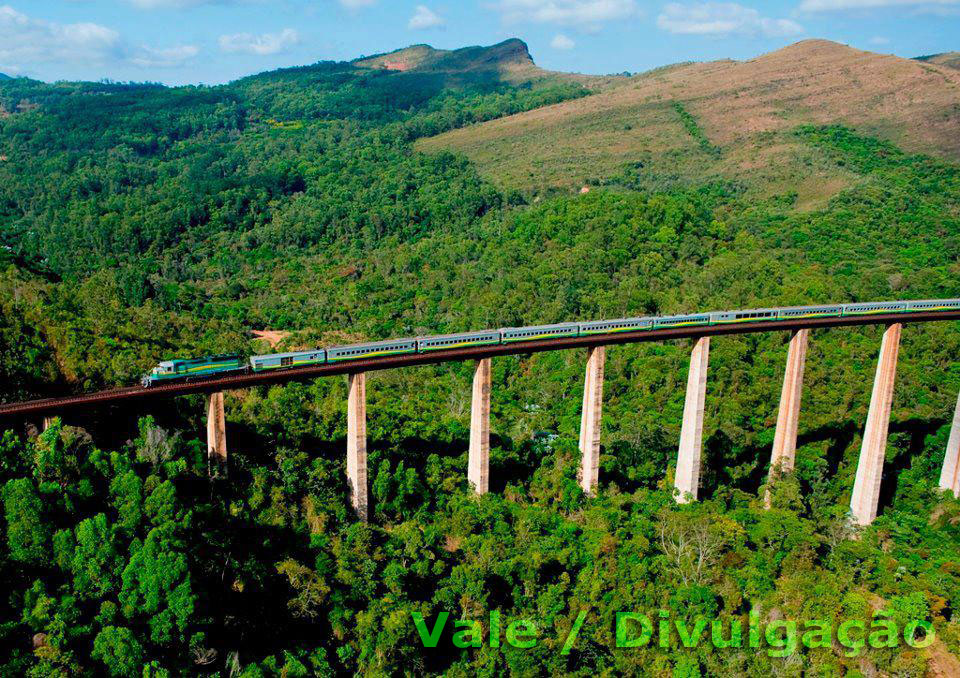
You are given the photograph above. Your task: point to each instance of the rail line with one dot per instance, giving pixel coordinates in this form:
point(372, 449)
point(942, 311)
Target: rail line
point(50, 406)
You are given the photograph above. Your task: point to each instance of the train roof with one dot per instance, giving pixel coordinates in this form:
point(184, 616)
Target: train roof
point(289, 354)
point(934, 301)
point(818, 307)
point(474, 333)
point(384, 342)
point(208, 358)
point(618, 320)
point(539, 327)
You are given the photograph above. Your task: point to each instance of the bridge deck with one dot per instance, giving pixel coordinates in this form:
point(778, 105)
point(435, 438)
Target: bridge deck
point(237, 381)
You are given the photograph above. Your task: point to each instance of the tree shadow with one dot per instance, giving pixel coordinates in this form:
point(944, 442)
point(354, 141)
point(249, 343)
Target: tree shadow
point(746, 468)
point(917, 431)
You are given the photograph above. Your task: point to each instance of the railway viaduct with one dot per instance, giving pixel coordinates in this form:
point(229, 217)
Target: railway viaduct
point(866, 490)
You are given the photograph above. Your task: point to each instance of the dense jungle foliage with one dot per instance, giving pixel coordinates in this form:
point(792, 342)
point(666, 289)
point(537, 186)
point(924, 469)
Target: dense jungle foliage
point(139, 222)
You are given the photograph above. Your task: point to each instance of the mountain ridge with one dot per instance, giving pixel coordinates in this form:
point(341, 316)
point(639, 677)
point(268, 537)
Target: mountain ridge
point(512, 52)
point(948, 59)
point(743, 112)
point(509, 59)
point(398, 73)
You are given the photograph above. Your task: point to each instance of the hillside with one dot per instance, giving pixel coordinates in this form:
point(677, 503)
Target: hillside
point(510, 56)
point(738, 127)
point(509, 61)
point(949, 59)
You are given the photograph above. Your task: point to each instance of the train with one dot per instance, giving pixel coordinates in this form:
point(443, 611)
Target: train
point(204, 368)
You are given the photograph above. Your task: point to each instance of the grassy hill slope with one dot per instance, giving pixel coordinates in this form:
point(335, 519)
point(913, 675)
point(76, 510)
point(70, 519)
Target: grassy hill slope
point(949, 59)
point(508, 61)
point(510, 57)
point(726, 119)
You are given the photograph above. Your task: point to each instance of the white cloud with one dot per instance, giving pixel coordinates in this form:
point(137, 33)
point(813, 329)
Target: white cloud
point(835, 5)
point(580, 13)
point(723, 19)
point(26, 42)
point(424, 17)
point(149, 57)
point(560, 41)
point(266, 43)
point(879, 40)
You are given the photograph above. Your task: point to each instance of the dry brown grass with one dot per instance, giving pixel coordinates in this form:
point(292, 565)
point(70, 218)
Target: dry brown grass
point(510, 60)
point(746, 108)
point(948, 59)
point(271, 337)
point(409, 58)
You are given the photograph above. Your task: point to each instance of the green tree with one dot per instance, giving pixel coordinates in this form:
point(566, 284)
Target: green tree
point(119, 650)
point(28, 532)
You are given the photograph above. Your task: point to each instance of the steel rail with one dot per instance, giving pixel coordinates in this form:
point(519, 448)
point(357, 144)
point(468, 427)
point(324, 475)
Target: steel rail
point(246, 380)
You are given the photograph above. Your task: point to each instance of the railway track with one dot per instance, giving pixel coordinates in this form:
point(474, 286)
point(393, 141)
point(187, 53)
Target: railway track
point(51, 406)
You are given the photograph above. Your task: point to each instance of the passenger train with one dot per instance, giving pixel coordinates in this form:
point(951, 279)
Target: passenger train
point(201, 368)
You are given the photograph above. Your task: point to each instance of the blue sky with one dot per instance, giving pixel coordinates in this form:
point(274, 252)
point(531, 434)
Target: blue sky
point(214, 41)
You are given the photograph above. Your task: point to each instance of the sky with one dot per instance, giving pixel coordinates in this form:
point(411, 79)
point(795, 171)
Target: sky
point(215, 41)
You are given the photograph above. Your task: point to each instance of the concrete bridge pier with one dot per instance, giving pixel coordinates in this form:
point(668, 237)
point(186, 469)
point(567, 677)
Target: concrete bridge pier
point(216, 436)
point(478, 465)
point(950, 475)
point(687, 475)
point(48, 422)
point(866, 489)
point(357, 443)
point(788, 418)
point(590, 425)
